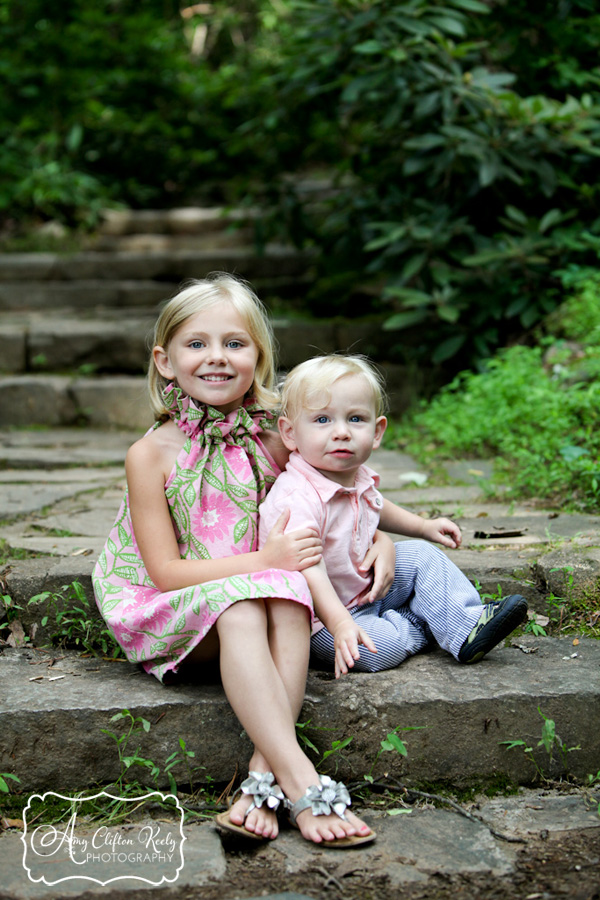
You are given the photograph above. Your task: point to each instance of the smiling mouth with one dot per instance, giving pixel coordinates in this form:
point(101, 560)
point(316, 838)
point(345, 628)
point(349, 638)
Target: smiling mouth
point(216, 378)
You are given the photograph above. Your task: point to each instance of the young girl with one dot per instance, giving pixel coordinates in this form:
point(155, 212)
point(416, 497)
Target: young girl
point(180, 578)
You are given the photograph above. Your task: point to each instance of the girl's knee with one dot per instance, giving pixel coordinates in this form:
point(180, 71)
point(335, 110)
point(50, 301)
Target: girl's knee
point(244, 614)
point(287, 611)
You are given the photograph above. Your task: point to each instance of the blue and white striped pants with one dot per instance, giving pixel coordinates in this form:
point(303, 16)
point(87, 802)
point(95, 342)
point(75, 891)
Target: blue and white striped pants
point(430, 598)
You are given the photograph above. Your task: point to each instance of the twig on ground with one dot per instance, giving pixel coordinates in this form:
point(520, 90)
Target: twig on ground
point(398, 786)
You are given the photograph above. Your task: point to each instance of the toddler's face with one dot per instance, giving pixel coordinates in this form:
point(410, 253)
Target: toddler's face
point(339, 437)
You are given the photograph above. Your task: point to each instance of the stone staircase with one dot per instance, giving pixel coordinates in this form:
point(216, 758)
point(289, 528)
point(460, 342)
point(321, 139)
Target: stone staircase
point(73, 346)
point(75, 327)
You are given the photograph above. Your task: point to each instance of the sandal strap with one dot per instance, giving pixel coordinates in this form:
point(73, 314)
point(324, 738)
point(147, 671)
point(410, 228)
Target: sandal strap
point(260, 786)
point(323, 799)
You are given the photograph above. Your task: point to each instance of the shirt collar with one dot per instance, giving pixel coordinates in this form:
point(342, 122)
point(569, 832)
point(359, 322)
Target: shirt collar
point(366, 479)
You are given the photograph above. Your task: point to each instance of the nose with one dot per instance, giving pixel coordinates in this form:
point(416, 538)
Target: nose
point(216, 354)
point(341, 431)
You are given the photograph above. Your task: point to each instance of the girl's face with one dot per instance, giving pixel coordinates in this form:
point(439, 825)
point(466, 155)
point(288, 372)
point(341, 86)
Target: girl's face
point(212, 357)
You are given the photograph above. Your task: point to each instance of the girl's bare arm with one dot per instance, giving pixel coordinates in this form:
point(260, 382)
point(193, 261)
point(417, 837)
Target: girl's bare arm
point(146, 472)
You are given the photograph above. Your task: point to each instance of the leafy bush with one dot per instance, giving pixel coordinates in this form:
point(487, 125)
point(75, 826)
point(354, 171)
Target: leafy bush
point(536, 412)
point(457, 198)
point(102, 101)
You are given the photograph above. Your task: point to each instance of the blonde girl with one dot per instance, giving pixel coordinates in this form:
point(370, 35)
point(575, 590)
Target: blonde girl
point(180, 579)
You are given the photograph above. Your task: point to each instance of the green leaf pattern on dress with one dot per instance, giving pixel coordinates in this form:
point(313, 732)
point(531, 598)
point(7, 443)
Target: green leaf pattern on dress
point(219, 478)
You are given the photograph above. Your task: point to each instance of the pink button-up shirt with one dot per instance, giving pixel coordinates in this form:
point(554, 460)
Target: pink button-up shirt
point(345, 518)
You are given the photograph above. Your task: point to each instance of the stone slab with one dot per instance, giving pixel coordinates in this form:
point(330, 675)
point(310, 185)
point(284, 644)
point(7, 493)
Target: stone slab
point(410, 848)
point(52, 725)
point(85, 295)
point(79, 449)
point(204, 862)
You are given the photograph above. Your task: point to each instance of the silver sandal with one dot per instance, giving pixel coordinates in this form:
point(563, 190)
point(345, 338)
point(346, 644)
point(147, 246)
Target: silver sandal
point(259, 786)
point(323, 799)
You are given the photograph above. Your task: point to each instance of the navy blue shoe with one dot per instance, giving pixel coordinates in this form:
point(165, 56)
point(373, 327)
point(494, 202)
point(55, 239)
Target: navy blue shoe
point(498, 619)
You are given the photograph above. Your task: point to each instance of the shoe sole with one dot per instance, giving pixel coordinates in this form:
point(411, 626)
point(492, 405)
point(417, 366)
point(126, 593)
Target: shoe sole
point(496, 630)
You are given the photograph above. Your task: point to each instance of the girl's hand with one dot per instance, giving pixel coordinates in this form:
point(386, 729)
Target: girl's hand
point(346, 639)
point(442, 531)
point(293, 551)
point(381, 557)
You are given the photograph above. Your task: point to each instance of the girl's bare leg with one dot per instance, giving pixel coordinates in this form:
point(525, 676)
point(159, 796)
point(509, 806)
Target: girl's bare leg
point(288, 631)
point(258, 694)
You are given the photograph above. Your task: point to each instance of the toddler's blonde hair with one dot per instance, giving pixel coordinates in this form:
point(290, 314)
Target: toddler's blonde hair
point(197, 296)
point(308, 385)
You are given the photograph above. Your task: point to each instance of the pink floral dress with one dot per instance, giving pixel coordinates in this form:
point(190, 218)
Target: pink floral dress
point(220, 476)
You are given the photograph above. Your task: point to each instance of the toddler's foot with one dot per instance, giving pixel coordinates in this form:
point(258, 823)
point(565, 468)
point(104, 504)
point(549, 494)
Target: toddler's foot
point(498, 619)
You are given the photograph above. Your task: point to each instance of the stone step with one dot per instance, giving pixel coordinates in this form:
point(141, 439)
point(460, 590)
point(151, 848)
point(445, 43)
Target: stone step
point(66, 510)
point(276, 262)
point(61, 400)
point(118, 340)
point(52, 728)
point(184, 221)
point(53, 708)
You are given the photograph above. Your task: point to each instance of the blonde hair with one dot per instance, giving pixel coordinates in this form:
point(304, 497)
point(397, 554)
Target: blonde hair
point(308, 385)
point(203, 294)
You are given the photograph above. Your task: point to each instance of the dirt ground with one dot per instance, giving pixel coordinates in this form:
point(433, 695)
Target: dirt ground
point(562, 865)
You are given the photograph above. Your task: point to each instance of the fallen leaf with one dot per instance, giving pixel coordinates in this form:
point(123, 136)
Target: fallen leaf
point(576, 642)
point(17, 636)
point(11, 823)
point(418, 478)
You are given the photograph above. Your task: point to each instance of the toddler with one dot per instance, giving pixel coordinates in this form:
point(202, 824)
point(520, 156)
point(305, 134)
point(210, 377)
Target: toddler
point(331, 420)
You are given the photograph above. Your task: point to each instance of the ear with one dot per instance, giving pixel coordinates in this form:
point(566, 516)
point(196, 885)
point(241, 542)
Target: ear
point(161, 361)
point(286, 430)
point(380, 426)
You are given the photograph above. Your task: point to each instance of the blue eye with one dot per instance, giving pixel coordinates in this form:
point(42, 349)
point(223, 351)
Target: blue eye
point(196, 345)
point(235, 345)
point(356, 418)
point(321, 420)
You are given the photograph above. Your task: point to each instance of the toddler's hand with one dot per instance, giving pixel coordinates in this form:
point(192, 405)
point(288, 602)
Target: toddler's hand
point(293, 551)
point(442, 531)
point(346, 639)
point(381, 557)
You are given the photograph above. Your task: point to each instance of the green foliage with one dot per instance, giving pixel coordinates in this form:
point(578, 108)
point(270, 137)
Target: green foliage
point(102, 102)
point(392, 743)
point(460, 138)
point(127, 786)
point(552, 744)
point(76, 624)
point(4, 786)
point(457, 198)
point(539, 421)
point(551, 49)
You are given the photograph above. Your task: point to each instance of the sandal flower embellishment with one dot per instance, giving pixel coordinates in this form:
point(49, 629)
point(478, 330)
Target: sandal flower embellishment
point(262, 790)
point(328, 796)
